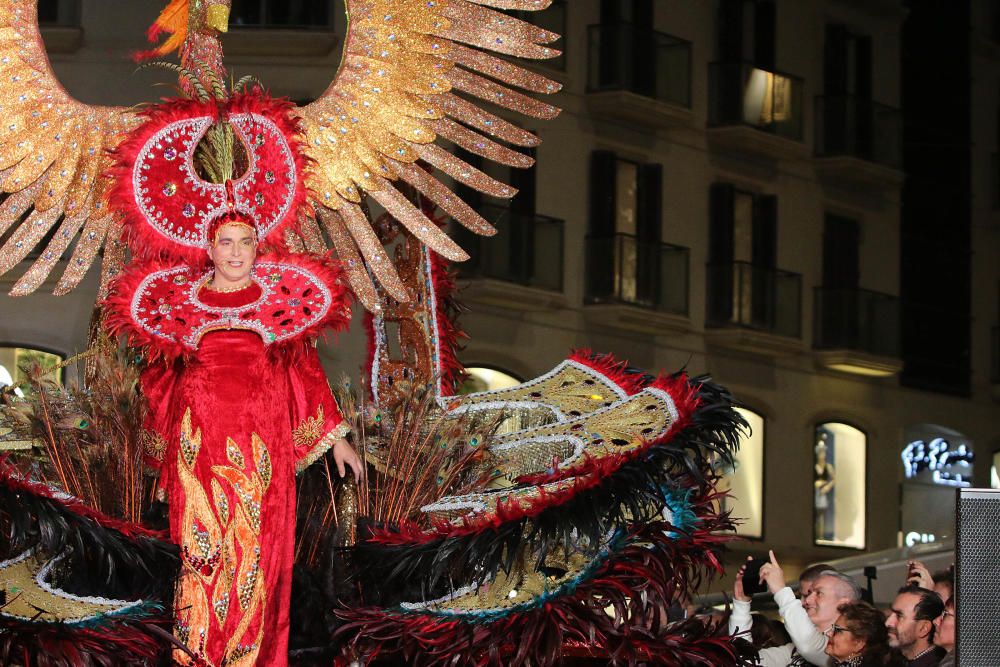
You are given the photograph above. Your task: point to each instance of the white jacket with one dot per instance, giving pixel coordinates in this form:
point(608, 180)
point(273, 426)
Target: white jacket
point(806, 638)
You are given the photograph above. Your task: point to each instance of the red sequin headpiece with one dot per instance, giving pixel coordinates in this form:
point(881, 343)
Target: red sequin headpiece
point(171, 211)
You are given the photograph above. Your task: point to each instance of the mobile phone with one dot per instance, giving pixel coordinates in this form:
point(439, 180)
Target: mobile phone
point(751, 577)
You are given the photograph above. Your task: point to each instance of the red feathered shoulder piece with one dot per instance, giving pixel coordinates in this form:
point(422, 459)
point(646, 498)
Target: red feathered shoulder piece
point(169, 209)
point(167, 308)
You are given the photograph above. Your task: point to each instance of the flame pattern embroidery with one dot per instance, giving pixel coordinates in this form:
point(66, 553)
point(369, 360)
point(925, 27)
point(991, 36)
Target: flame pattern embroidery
point(220, 547)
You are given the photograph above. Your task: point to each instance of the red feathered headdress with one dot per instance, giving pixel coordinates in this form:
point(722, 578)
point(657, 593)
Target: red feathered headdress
point(170, 209)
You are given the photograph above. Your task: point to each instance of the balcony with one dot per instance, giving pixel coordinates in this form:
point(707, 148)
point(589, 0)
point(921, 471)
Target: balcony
point(857, 331)
point(521, 267)
point(638, 76)
point(858, 142)
point(754, 308)
point(637, 285)
point(755, 111)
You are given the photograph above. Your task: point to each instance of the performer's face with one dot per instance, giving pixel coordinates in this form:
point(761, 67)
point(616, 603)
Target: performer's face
point(233, 253)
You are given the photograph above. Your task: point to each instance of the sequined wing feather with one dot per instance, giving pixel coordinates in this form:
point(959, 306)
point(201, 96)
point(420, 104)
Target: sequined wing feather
point(52, 157)
point(416, 74)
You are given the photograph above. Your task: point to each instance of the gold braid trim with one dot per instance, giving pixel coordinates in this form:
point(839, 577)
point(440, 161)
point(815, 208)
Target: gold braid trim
point(326, 442)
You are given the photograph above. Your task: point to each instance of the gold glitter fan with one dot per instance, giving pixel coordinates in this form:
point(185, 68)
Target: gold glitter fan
point(410, 72)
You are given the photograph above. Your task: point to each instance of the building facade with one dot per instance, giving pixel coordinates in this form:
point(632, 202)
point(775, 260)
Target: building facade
point(725, 191)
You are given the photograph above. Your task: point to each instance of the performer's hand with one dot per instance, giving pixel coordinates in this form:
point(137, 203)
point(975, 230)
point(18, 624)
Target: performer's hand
point(772, 574)
point(344, 455)
point(738, 593)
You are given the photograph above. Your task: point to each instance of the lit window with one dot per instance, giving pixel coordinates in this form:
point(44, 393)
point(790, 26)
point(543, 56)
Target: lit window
point(994, 474)
point(744, 480)
point(839, 476)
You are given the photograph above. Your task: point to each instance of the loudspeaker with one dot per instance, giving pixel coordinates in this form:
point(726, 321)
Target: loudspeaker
point(977, 578)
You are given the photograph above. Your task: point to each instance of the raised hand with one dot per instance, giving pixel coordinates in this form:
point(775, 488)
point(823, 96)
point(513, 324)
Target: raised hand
point(772, 574)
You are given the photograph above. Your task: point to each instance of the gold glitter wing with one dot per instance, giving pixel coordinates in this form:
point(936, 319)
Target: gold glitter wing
point(52, 155)
point(413, 72)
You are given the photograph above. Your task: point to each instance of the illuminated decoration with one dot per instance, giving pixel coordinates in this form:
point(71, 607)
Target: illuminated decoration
point(939, 462)
point(914, 538)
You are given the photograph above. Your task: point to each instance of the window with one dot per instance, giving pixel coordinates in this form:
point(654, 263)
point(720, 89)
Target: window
point(747, 32)
point(14, 362)
point(58, 12)
point(528, 246)
point(552, 19)
point(295, 14)
point(744, 480)
point(839, 478)
point(745, 287)
point(626, 259)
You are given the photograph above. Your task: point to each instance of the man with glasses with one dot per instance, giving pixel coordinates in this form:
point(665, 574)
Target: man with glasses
point(911, 626)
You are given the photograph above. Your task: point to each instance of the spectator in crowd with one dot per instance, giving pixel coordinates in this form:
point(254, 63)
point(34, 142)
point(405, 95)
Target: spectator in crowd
point(944, 633)
point(805, 621)
point(911, 625)
point(859, 638)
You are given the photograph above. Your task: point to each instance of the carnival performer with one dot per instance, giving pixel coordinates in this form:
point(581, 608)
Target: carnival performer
point(238, 401)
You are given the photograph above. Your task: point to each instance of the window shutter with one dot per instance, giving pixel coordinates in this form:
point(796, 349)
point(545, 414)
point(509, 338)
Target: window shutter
point(600, 259)
point(649, 225)
point(720, 260)
point(730, 26)
point(721, 223)
point(765, 31)
point(765, 231)
point(841, 265)
point(602, 194)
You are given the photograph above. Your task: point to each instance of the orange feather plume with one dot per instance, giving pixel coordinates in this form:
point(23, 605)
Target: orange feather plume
point(173, 20)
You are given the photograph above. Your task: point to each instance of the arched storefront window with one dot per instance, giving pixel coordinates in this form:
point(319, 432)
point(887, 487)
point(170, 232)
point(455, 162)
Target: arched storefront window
point(486, 379)
point(14, 361)
point(744, 480)
point(839, 474)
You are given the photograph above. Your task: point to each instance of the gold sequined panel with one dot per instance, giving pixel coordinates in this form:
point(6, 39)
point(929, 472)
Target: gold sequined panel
point(220, 548)
point(617, 429)
point(567, 391)
point(523, 584)
point(53, 152)
point(614, 429)
point(31, 596)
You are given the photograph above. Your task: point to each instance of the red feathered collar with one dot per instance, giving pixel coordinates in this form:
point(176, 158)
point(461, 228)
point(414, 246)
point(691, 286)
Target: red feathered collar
point(164, 307)
point(169, 208)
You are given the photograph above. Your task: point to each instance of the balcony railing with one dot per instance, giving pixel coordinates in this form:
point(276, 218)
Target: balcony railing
point(624, 57)
point(623, 269)
point(755, 297)
point(526, 250)
point(741, 94)
point(858, 320)
point(856, 127)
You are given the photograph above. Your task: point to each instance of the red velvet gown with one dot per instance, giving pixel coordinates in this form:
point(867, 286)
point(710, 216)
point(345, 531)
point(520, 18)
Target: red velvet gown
point(233, 422)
